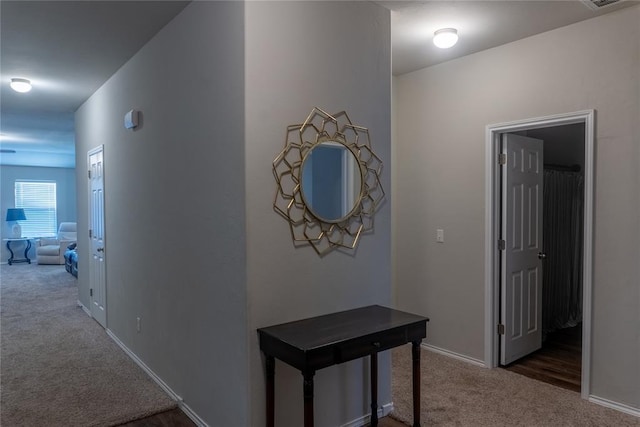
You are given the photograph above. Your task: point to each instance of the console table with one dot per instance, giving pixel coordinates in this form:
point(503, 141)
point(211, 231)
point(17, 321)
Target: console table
point(318, 342)
point(27, 242)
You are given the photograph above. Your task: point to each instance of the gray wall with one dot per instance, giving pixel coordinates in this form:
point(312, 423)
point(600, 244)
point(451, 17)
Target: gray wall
point(65, 179)
point(175, 225)
point(336, 56)
point(442, 114)
point(180, 251)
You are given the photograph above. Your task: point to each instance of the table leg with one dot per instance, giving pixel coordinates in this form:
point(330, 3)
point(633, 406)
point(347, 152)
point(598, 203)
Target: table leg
point(415, 353)
point(26, 251)
point(374, 389)
point(10, 251)
point(308, 398)
point(271, 374)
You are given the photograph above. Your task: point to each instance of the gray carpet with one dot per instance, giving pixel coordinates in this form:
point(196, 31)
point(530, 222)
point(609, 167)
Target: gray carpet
point(456, 393)
point(58, 367)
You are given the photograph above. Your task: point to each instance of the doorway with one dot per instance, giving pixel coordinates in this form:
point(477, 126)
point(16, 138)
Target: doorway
point(557, 356)
point(97, 269)
point(553, 129)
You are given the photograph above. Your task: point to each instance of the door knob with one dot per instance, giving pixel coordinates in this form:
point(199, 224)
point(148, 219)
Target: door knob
point(542, 255)
point(102, 250)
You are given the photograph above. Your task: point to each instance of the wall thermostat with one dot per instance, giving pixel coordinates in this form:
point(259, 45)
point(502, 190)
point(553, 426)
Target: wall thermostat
point(131, 119)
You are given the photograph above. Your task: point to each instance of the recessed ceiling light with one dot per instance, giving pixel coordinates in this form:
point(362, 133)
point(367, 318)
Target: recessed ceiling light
point(20, 85)
point(445, 37)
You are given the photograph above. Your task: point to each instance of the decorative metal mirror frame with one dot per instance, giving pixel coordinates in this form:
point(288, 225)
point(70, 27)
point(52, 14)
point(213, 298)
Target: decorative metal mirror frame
point(307, 228)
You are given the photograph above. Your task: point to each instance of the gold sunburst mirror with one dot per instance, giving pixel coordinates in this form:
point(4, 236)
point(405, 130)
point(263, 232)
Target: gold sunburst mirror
point(328, 181)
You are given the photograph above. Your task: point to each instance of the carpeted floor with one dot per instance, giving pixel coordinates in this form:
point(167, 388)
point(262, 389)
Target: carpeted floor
point(456, 393)
point(58, 367)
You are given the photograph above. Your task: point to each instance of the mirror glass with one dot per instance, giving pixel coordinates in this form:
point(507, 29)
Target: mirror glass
point(331, 181)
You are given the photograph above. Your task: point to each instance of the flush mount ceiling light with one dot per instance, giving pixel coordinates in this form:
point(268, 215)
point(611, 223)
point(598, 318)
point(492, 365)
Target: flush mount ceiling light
point(20, 85)
point(445, 37)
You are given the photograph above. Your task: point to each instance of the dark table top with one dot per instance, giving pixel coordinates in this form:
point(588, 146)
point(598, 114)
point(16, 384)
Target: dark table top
point(315, 332)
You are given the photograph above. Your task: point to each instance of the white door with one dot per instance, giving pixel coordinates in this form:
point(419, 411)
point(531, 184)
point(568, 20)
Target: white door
point(97, 271)
point(521, 275)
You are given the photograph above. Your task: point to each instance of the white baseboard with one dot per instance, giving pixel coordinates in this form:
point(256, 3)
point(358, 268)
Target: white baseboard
point(594, 399)
point(85, 309)
point(144, 367)
point(364, 420)
point(615, 405)
point(455, 355)
point(185, 408)
point(194, 417)
point(359, 422)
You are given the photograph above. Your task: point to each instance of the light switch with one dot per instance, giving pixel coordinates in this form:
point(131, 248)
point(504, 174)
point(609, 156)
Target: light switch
point(440, 235)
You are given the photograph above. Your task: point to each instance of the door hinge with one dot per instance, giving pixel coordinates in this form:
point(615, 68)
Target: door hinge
point(502, 244)
point(500, 329)
point(90, 233)
point(91, 292)
point(502, 158)
point(89, 174)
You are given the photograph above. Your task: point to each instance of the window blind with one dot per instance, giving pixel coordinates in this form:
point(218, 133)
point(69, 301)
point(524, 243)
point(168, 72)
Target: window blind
point(38, 199)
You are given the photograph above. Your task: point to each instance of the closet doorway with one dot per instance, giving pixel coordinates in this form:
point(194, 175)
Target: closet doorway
point(558, 361)
point(555, 296)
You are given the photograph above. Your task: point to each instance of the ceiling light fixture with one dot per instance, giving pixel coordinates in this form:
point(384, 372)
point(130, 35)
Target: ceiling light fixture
point(20, 85)
point(445, 37)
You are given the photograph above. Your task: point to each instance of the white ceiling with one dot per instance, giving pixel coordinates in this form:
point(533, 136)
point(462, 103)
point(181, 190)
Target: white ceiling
point(68, 49)
point(481, 25)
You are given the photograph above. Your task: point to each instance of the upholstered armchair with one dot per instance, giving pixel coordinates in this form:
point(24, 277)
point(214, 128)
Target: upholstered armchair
point(51, 250)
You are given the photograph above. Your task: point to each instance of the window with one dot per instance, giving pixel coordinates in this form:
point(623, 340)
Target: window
point(38, 199)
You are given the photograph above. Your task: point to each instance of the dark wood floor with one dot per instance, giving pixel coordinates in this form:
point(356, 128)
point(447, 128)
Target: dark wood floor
point(177, 418)
point(558, 362)
point(390, 422)
point(173, 418)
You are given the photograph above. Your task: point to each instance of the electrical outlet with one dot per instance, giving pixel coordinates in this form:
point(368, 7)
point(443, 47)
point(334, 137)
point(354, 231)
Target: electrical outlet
point(138, 324)
point(440, 235)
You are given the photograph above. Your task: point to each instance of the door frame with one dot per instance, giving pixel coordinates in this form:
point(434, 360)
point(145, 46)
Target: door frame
point(492, 231)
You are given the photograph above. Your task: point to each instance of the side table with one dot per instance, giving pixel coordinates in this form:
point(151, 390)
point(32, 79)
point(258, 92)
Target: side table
point(12, 259)
point(319, 342)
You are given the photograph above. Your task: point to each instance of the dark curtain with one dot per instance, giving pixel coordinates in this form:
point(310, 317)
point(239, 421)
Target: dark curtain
point(562, 268)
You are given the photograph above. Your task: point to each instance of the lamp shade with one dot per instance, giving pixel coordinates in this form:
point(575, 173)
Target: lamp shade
point(15, 214)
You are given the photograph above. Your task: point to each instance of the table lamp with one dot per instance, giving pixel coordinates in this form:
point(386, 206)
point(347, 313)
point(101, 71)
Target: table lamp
point(13, 216)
